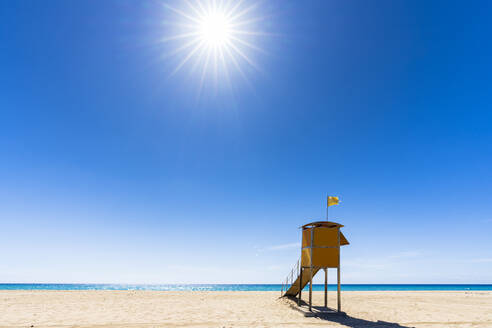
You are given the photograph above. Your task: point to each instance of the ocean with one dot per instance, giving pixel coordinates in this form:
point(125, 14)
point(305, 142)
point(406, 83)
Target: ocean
point(243, 287)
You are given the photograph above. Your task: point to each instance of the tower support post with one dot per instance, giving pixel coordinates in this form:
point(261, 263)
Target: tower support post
point(311, 289)
point(326, 287)
point(339, 301)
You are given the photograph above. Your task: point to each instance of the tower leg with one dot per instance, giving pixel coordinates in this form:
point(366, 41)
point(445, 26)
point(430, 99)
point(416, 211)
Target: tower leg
point(326, 287)
point(311, 289)
point(339, 301)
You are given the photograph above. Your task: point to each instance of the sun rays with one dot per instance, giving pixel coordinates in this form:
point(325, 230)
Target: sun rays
point(213, 39)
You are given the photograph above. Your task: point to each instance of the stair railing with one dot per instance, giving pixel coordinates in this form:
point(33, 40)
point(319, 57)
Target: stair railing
point(291, 277)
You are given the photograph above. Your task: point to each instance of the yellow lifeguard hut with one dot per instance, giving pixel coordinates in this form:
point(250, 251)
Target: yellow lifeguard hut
point(320, 249)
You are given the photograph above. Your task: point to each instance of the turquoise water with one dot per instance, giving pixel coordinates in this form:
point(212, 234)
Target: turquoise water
point(238, 287)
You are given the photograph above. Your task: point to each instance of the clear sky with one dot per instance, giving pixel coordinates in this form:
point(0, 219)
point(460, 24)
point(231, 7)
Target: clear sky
point(117, 167)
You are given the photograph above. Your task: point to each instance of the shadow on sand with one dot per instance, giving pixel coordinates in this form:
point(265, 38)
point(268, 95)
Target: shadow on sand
point(342, 318)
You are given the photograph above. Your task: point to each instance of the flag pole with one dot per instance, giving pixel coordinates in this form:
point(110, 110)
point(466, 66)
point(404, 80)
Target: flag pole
point(327, 206)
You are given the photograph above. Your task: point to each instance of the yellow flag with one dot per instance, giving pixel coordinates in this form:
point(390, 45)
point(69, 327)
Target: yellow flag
point(332, 200)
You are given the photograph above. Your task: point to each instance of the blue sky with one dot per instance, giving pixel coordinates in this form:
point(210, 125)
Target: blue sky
point(113, 169)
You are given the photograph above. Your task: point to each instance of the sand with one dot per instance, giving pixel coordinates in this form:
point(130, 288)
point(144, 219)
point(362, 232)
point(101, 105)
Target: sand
point(240, 309)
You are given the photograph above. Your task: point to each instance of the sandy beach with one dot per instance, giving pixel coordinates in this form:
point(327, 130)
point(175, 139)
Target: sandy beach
point(240, 309)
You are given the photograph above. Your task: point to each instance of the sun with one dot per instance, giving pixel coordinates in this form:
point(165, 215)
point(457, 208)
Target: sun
point(215, 29)
point(213, 38)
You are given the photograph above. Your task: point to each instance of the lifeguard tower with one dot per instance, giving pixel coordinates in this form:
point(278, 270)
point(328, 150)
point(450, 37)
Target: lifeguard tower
point(320, 249)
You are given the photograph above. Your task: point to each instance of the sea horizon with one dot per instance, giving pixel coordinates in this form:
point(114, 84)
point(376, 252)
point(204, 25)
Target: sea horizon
point(242, 287)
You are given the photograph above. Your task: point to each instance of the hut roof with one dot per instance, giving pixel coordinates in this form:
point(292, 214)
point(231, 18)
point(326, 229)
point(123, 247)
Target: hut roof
point(327, 224)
